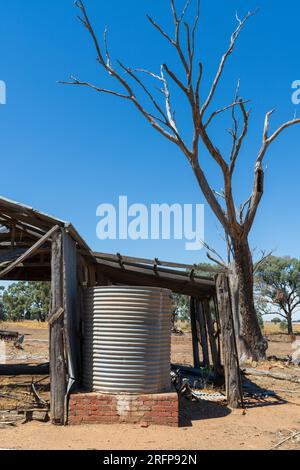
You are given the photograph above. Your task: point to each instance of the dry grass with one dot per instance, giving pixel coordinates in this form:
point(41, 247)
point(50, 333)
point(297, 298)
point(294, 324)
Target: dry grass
point(184, 326)
point(269, 327)
point(33, 324)
point(273, 328)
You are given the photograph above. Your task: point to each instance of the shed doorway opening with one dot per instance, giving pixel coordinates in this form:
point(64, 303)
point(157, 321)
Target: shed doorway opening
point(24, 346)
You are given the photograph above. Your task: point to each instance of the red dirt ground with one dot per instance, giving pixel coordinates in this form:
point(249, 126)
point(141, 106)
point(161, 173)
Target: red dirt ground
point(205, 425)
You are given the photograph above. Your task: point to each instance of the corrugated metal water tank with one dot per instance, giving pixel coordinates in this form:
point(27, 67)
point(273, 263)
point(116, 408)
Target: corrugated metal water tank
point(127, 339)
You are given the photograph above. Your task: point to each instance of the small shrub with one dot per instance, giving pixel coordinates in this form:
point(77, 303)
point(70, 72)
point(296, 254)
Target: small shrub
point(283, 326)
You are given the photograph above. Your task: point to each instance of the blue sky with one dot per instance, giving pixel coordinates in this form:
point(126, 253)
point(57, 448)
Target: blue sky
point(65, 150)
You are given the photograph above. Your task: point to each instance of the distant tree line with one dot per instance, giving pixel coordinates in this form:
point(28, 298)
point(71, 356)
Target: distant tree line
point(25, 301)
point(277, 292)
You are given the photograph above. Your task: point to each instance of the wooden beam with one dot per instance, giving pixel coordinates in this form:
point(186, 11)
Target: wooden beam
point(56, 316)
point(200, 319)
point(128, 265)
point(29, 252)
point(195, 339)
point(215, 302)
point(23, 226)
point(10, 255)
point(56, 333)
point(141, 277)
point(157, 262)
point(230, 356)
point(212, 337)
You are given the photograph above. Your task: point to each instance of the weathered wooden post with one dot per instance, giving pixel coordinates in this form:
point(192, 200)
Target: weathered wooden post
point(212, 337)
point(230, 356)
point(200, 319)
point(216, 309)
point(56, 332)
point(194, 333)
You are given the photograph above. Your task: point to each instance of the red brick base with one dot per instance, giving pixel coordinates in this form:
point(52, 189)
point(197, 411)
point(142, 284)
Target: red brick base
point(102, 408)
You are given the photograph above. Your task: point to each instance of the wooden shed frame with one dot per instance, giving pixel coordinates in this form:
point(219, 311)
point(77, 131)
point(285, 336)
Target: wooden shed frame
point(38, 247)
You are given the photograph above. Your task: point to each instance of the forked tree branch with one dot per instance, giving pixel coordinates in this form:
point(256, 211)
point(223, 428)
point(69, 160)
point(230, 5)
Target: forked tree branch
point(264, 257)
point(233, 40)
point(267, 140)
point(107, 65)
point(258, 187)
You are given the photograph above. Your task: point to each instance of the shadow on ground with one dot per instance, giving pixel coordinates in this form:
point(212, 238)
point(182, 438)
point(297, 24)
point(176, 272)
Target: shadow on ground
point(197, 410)
point(256, 396)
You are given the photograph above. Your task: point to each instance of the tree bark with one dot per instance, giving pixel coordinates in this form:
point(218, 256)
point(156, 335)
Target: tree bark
point(250, 341)
point(289, 322)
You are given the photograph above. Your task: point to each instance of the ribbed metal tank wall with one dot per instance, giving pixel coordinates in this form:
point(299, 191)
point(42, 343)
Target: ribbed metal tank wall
point(127, 339)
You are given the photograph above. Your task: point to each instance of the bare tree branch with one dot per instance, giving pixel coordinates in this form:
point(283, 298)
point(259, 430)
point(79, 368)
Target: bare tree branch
point(75, 81)
point(162, 32)
point(176, 79)
point(268, 140)
point(222, 110)
point(233, 40)
point(258, 186)
point(214, 252)
point(242, 209)
point(263, 258)
point(107, 65)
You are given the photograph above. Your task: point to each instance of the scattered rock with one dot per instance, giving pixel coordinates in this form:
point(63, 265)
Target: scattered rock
point(144, 424)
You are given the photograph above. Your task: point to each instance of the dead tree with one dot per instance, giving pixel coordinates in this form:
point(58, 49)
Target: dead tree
point(236, 221)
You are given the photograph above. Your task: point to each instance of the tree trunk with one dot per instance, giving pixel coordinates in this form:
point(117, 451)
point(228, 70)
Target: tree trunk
point(250, 341)
point(289, 323)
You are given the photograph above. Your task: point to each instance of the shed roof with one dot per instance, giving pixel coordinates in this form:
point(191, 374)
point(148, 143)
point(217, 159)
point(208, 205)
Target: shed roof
point(21, 226)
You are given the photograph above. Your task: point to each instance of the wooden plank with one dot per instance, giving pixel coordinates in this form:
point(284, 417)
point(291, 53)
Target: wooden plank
point(11, 255)
point(157, 262)
point(16, 208)
point(230, 356)
point(158, 272)
point(24, 369)
point(200, 319)
point(56, 315)
point(212, 337)
point(29, 252)
point(195, 340)
point(71, 325)
point(215, 301)
point(21, 229)
point(142, 277)
point(57, 347)
point(27, 222)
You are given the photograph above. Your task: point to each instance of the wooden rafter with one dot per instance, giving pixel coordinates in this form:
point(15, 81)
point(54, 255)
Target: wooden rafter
point(156, 263)
point(32, 250)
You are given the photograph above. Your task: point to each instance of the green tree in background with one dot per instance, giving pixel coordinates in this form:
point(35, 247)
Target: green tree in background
point(27, 301)
point(2, 310)
point(277, 285)
point(181, 307)
point(181, 303)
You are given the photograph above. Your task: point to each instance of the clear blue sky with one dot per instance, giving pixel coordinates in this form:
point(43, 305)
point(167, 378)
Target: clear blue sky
point(64, 150)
